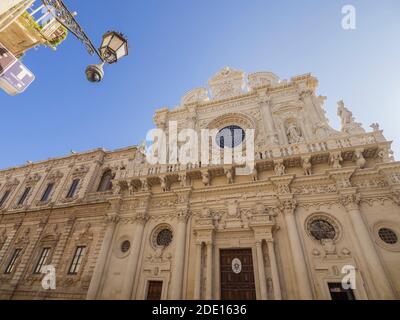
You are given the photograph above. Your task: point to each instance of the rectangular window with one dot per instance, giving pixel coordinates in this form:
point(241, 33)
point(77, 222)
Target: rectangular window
point(24, 195)
point(154, 290)
point(13, 260)
point(47, 192)
point(338, 293)
point(77, 260)
point(4, 197)
point(42, 260)
point(73, 188)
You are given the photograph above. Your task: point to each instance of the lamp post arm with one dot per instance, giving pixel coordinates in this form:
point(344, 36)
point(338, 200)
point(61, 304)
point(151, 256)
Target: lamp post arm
point(61, 13)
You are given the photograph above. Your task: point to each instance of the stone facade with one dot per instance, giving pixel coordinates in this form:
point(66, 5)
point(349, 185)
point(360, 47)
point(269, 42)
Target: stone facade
point(318, 200)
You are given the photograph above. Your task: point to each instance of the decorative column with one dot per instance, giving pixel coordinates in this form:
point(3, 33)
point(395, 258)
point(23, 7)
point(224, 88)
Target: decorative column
point(261, 270)
point(140, 220)
point(179, 259)
point(204, 231)
point(274, 270)
point(350, 200)
point(209, 275)
point(197, 273)
point(111, 220)
point(299, 260)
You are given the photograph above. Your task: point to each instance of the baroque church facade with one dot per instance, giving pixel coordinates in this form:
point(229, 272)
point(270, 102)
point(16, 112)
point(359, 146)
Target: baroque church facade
point(320, 205)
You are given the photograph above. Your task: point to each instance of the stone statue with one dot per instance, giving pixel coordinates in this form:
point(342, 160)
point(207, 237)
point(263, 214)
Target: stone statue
point(307, 166)
point(347, 120)
point(346, 116)
point(360, 161)
point(335, 159)
point(205, 178)
point(183, 179)
point(229, 175)
point(375, 126)
point(254, 174)
point(164, 184)
point(294, 134)
point(279, 169)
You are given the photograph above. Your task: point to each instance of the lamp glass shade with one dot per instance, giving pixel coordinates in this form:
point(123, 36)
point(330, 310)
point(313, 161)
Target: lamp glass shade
point(114, 47)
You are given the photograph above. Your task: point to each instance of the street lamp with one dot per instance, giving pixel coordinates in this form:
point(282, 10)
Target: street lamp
point(114, 45)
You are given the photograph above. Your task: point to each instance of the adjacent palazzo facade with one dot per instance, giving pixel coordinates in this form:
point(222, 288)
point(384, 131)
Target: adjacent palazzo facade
point(115, 227)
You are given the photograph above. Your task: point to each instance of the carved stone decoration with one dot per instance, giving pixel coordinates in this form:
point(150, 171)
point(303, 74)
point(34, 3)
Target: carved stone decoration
point(164, 183)
point(335, 159)
point(227, 83)
point(279, 168)
point(288, 206)
point(205, 177)
point(396, 197)
point(233, 209)
point(350, 201)
point(254, 174)
point(262, 79)
point(293, 133)
point(306, 164)
point(183, 180)
point(329, 246)
point(347, 120)
point(3, 238)
point(145, 184)
point(375, 126)
point(194, 96)
point(229, 175)
point(359, 158)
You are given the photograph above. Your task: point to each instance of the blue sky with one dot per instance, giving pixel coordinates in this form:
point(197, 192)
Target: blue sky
point(177, 45)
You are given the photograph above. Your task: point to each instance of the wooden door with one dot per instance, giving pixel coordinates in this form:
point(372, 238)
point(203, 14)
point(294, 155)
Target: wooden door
point(154, 290)
point(237, 274)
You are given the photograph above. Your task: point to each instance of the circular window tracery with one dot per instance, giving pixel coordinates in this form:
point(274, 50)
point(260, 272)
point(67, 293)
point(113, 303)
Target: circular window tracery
point(388, 235)
point(125, 246)
point(230, 136)
point(323, 227)
point(162, 236)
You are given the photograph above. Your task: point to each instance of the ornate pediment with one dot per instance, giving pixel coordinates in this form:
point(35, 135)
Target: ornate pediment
point(195, 95)
point(227, 83)
point(261, 79)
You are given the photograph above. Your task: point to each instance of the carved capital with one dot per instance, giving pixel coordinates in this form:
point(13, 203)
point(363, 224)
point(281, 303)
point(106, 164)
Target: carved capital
point(350, 201)
point(183, 215)
point(288, 206)
point(111, 218)
point(342, 178)
point(141, 218)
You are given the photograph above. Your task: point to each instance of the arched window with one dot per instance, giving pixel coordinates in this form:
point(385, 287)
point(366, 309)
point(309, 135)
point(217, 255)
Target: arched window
point(105, 182)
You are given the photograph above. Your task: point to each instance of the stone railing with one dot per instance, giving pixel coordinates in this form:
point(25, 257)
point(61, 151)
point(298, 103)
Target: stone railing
point(367, 141)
